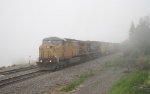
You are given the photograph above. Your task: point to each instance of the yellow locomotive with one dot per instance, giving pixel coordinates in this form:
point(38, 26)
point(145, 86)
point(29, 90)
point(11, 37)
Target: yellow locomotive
point(57, 52)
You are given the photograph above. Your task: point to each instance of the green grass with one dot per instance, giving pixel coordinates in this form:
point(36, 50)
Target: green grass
point(81, 79)
point(147, 82)
point(131, 84)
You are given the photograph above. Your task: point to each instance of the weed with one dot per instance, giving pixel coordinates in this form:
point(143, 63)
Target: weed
point(115, 69)
point(77, 75)
point(57, 84)
point(127, 71)
point(101, 69)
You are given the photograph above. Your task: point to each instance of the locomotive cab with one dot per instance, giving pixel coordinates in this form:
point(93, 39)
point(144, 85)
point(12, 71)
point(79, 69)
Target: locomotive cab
point(50, 53)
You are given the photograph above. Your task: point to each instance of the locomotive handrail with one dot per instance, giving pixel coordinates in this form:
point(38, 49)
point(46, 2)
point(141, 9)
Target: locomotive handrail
point(55, 56)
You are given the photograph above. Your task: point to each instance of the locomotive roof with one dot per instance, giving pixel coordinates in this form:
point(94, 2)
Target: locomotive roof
point(68, 39)
point(54, 38)
point(72, 40)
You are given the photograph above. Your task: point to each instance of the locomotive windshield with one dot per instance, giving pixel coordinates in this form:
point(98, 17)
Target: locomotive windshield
point(46, 41)
point(56, 42)
point(52, 40)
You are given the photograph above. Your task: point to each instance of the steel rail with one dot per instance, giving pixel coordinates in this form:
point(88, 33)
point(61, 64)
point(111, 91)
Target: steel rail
point(11, 80)
point(17, 70)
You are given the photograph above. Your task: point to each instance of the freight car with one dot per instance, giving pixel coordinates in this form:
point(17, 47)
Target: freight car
point(57, 52)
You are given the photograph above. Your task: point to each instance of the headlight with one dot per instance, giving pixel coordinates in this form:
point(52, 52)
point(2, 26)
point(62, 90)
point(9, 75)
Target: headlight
point(50, 61)
point(40, 60)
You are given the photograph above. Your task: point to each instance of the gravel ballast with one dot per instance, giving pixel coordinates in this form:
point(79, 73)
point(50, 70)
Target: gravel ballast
point(47, 82)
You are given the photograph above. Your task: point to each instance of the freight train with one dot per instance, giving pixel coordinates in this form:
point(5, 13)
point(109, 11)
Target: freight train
point(59, 52)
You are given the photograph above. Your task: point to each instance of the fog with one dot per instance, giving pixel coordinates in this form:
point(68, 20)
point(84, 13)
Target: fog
point(24, 23)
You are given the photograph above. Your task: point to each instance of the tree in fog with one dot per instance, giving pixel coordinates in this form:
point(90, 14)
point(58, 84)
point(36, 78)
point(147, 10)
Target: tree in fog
point(131, 31)
point(140, 36)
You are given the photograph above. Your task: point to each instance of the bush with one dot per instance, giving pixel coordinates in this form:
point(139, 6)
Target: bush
point(2, 67)
point(134, 52)
point(143, 62)
point(14, 65)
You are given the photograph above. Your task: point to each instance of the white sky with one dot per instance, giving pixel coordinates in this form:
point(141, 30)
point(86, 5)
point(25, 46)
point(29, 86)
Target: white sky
point(24, 23)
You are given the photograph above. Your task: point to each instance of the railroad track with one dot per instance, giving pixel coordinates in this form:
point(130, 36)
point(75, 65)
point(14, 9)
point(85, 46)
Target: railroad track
point(18, 78)
point(26, 76)
point(17, 70)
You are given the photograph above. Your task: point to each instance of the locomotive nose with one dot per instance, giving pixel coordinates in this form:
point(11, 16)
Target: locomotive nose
point(49, 46)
